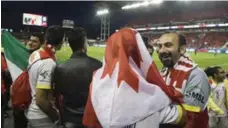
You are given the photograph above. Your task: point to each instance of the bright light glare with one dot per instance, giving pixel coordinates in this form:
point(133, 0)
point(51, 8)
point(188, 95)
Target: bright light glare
point(145, 3)
point(157, 1)
point(102, 12)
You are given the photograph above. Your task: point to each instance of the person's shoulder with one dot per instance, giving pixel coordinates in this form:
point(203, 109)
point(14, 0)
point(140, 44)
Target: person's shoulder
point(48, 61)
point(34, 57)
point(198, 78)
point(198, 73)
point(68, 63)
point(62, 66)
point(93, 60)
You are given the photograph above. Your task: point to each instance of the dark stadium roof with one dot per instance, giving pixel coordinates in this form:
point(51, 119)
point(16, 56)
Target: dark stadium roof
point(166, 6)
point(84, 12)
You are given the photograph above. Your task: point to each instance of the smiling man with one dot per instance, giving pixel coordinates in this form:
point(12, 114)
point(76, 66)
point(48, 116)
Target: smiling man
point(41, 113)
point(35, 42)
point(182, 73)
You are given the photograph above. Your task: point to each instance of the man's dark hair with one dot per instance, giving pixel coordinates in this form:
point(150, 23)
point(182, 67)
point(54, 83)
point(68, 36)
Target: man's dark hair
point(217, 68)
point(76, 38)
point(211, 71)
point(40, 36)
point(145, 40)
point(54, 35)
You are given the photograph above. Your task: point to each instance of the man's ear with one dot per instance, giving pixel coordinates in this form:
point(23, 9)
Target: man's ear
point(183, 49)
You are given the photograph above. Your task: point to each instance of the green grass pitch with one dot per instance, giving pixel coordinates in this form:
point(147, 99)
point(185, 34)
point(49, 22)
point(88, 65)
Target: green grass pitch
point(202, 59)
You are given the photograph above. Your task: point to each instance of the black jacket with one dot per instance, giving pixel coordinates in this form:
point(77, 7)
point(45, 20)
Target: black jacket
point(72, 80)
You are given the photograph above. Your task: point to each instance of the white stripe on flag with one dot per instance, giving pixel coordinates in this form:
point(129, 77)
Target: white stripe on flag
point(13, 69)
point(182, 68)
point(146, 58)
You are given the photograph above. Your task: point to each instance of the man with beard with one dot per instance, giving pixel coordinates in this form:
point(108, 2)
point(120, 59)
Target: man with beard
point(182, 73)
point(35, 42)
point(124, 92)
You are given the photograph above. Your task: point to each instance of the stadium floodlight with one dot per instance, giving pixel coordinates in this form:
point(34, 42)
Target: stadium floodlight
point(102, 12)
point(142, 4)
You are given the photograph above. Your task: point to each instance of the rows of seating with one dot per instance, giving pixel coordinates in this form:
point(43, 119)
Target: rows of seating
point(202, 40)
point(190, 17)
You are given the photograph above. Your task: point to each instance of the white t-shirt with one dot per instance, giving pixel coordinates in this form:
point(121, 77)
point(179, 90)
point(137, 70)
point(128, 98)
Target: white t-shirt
point(39, 77)
point(219, 97)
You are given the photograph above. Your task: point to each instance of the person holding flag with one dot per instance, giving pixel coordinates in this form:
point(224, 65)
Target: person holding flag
point(34, 69)
point(17, 56)
point(35, 42)
point(186, 77)
point(128, 90)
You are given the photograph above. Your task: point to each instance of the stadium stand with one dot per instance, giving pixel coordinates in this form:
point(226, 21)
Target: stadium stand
point(206, 40)
point(184, 18)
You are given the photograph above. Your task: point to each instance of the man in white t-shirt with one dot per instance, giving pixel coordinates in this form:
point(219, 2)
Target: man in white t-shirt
point(217, 103)
point(35, 42)
point(41, 112)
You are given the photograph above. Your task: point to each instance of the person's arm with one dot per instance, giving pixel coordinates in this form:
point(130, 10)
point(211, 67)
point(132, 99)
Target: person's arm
point(173, 114)
point(197, 91)
point(214, 107)
point(44, 97)
point(44, 101)
point(54, 82)
point(57, 88)
point(226, 93)
point(196, 94)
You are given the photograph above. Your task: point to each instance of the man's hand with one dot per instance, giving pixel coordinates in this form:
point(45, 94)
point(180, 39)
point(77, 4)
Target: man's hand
point(220, 112)
point(183, 120)
point(173, 114)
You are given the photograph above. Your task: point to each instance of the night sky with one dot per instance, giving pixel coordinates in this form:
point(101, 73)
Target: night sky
point(82, 12)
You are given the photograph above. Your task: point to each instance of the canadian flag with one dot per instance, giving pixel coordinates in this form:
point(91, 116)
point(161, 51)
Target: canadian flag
point(128, 88)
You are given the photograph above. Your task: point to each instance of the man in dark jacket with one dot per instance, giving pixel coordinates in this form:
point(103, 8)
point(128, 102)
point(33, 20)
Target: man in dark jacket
point(71, 80)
